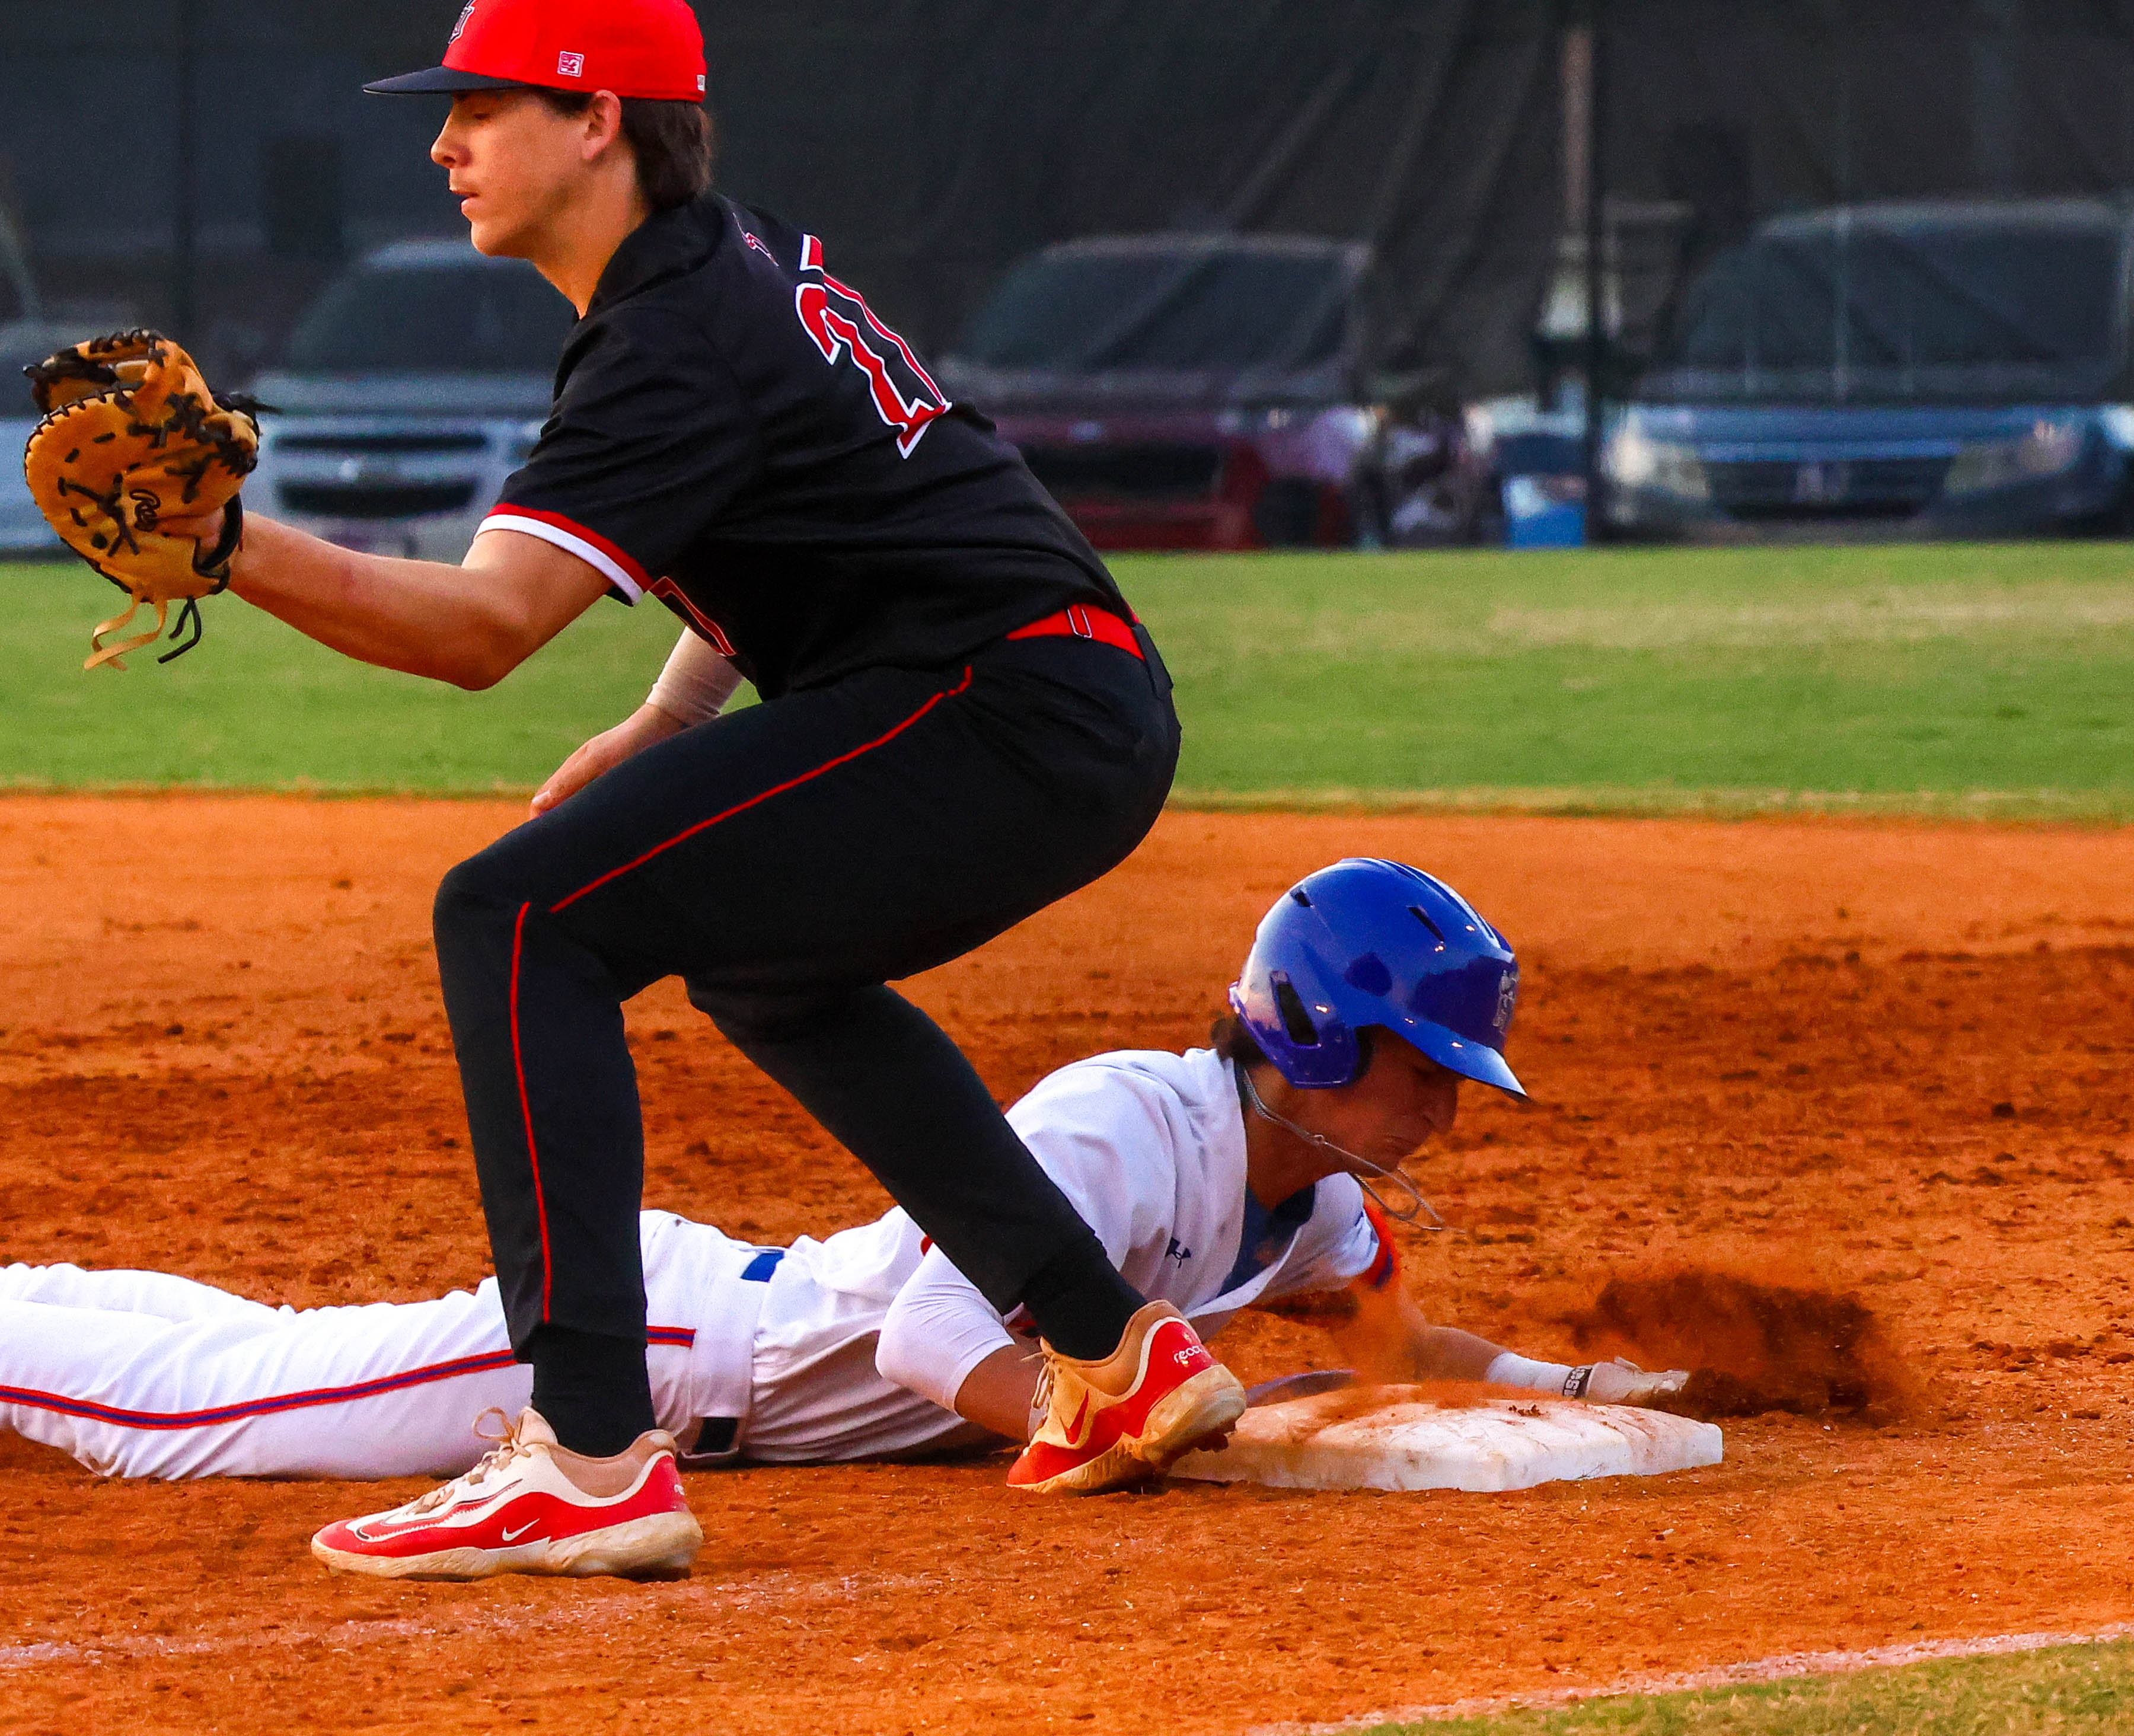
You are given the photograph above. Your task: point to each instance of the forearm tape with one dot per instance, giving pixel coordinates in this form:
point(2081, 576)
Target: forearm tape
point(696, 682)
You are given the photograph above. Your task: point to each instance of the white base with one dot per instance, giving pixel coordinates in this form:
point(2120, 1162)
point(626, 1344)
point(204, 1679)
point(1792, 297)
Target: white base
point(1335, 1441)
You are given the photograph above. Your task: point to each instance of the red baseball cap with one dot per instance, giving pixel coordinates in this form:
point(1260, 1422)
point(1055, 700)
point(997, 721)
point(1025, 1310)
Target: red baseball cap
point(653, 49)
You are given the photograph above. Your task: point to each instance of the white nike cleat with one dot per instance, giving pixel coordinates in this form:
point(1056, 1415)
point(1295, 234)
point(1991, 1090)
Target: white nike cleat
point(531, 1507)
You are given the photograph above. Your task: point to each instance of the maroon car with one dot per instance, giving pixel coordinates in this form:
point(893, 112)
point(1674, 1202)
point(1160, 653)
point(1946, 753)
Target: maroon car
point(1205, 391)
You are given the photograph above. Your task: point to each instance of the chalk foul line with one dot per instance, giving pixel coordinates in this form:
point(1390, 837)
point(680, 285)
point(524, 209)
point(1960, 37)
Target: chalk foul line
point(777, 1591)
point(1780, 1668)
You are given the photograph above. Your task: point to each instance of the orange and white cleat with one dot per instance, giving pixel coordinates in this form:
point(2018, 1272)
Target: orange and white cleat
point(531, 1507)
point(1124, 1420)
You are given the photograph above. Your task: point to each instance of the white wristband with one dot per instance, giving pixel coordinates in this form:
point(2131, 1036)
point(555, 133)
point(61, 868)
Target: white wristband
point(1510, 1369)
point(696, 682)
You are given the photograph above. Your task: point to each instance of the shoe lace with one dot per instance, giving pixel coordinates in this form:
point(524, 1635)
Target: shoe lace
point(508, 1447)
point(1041, 1401)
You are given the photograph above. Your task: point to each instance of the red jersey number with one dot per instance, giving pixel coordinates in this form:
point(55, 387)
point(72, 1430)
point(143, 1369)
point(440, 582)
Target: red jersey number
point(841, 323)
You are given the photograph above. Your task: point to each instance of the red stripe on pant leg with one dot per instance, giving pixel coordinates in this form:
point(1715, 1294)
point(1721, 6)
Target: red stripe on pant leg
point(387, 1385)
point(828, 765)
point(487, 1362)
point(87, 1409)
point(526, 1114)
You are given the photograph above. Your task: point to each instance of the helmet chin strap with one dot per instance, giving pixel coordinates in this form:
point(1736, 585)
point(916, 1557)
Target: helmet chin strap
point(1249, 1094)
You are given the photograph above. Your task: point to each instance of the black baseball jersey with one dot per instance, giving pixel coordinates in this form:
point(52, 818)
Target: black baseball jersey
point(737, 433)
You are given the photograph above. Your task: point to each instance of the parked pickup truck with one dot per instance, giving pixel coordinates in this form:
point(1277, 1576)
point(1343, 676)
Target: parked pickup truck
point(1955, 367)
point(26, 337)
point(1212, 392)
point(412, 388)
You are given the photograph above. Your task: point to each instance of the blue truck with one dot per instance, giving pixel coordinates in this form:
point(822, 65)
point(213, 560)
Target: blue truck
point(1935, 368)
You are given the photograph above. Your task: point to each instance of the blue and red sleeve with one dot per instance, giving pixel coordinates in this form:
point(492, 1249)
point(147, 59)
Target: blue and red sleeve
point(1384, 1270)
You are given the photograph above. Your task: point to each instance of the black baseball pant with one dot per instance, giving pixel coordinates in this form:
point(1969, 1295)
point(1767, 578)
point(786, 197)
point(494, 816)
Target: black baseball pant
point(788, 862)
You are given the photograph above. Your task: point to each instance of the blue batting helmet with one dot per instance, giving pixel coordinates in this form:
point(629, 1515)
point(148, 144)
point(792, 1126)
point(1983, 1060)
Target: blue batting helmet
point(1367, 943)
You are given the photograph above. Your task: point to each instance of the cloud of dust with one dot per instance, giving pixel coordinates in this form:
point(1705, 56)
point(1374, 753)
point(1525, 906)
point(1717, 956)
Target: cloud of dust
point(1376, 1336)
point(1754, 1345)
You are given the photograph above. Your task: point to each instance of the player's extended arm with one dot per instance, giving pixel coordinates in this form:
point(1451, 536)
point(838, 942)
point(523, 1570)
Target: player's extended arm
point(1388, 1338)
point(470, 625)
point(942, 1340)
point(1446, 1353)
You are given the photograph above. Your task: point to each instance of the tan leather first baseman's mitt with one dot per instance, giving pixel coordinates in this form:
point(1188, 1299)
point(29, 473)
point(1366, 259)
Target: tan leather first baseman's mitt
point(132, 436)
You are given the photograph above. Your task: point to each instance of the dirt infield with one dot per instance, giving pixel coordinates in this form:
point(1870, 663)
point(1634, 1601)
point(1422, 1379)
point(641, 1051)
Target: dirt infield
point(1890, 1060)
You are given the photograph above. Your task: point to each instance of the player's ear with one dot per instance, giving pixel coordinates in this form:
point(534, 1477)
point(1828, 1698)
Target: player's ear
point(602, 124)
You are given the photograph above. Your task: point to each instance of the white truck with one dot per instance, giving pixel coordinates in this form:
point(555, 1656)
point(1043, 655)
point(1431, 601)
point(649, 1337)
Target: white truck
point(416, 383)
point(25, 336)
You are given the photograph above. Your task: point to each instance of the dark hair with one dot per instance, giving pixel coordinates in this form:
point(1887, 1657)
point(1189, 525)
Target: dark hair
point(672, 142)
point(1229, 1038)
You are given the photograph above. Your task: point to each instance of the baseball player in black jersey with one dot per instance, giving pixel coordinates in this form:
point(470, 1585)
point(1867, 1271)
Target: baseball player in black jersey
point(962, 722)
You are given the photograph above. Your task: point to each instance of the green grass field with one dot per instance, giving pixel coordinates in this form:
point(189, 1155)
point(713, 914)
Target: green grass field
point(1940, 678)
point(259, 706)
point(2067, 1691)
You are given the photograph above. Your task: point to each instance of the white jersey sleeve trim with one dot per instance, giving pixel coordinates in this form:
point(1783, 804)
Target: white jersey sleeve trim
point(598, 559)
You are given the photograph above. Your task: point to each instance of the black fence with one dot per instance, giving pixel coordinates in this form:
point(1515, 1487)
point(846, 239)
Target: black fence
point(210, 162)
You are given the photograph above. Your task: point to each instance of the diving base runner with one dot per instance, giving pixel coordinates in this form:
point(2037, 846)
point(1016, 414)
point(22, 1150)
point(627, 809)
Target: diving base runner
point(1217, 1180)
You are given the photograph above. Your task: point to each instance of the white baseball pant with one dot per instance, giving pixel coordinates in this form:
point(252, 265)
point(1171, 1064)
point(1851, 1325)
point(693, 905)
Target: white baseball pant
point(142, 1374)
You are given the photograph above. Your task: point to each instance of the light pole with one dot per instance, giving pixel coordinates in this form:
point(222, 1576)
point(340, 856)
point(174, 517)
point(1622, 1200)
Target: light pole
point(185, 221)
point(1595, 216)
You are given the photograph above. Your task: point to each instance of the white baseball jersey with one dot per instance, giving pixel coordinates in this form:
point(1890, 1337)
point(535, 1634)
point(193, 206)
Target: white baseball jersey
point(852, 1347)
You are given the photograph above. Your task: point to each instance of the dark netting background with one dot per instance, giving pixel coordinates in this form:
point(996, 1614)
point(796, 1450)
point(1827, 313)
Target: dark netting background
point(1129, 307)
point(1726, 113)
point(933, 142)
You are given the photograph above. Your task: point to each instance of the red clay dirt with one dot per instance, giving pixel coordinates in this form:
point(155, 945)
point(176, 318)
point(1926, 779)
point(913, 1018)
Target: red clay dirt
point(1894, 1058)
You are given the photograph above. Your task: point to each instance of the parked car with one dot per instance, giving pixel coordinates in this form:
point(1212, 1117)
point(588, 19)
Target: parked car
point(22, 527)
point(1210, 392)
point(25, 337)
point(416, 384)
point(1950, 368)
